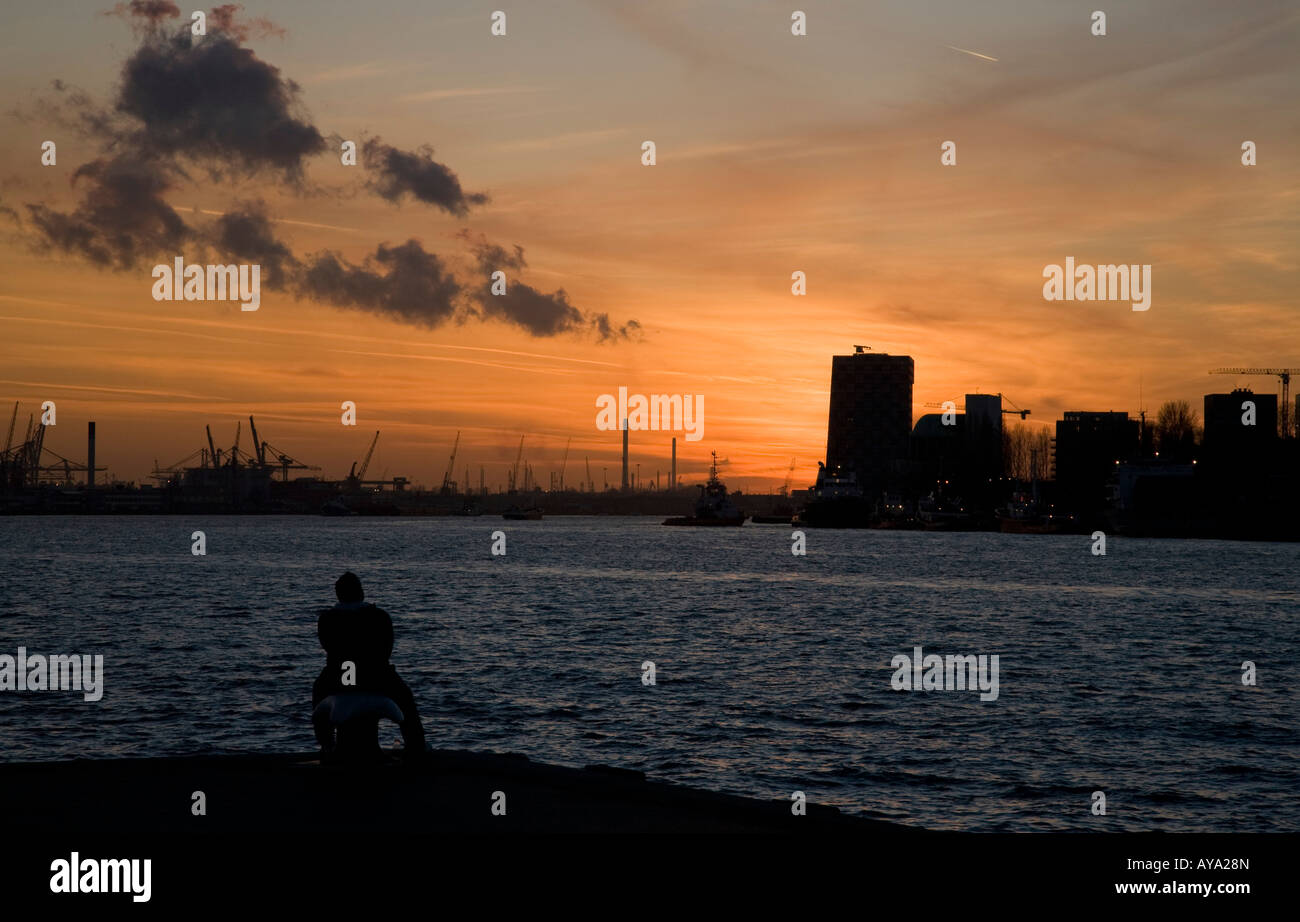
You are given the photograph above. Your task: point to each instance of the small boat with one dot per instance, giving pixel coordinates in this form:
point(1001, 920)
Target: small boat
point(1025, 516)
point(515, 514)
point(469, 509)
point(713, 508)
point(782, 514)
point(336, 507)
point(940, 514)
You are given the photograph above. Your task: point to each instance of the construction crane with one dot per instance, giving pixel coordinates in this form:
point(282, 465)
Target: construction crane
point(1005, 412)
point(359, 475)
point(449, 485)
point(1284, 374)
point(789, 477)
point(565, 462)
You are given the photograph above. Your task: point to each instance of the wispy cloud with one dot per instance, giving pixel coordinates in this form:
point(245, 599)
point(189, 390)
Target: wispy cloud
point(563, 140)
point(467, 92)
point(352, 72)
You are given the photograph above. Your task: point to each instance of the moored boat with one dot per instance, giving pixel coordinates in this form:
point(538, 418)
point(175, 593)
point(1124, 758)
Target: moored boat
point(836, 501)
point(713, 508)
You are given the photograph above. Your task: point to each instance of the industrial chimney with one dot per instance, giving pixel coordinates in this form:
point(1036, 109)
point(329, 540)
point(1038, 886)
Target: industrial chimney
point(90, 455)
point(625, 456)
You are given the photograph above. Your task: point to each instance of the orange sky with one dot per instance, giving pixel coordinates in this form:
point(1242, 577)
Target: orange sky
point(775, 154)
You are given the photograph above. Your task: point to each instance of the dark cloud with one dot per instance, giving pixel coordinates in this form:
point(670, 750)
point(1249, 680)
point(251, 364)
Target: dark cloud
point(208, 101)
point(399, 173)
point(227, 19)
point(246, 235)
point(606, 331)
point(121, 218)
point(211, 100)
point(149, 12)
point(539, 313)
point(405, 282)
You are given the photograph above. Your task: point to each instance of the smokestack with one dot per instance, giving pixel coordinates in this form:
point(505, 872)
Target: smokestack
point(90, 455)
point(625, 455)
point(672, 484)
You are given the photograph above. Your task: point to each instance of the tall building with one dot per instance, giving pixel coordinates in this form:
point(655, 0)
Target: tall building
point(1225, 426)
point(1089, 449)
point(870, 424)
point(983, 442)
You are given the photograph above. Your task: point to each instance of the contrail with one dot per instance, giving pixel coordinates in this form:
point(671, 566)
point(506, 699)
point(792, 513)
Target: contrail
point(276, 220)
point(975, 53)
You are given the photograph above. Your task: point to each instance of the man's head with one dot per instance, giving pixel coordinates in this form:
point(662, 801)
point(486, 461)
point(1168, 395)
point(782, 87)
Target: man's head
point(348, 588)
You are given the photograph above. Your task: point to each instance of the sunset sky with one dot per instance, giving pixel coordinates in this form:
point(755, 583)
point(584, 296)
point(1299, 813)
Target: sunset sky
point(775, 153)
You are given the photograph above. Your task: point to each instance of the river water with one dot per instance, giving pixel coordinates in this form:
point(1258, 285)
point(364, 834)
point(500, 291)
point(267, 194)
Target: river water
point(1119, 673)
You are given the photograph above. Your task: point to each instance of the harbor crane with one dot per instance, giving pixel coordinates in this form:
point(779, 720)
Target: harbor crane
point(449, 485)
point(565, 462)
point(789, 478)
point(21, 464)
point(1284, 374)
point(591, 484)
point(9, 439)
point(359, 475)
point(259, 448)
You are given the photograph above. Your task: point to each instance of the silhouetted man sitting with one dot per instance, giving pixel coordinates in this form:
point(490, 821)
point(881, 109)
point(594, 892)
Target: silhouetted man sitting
point(357, 632)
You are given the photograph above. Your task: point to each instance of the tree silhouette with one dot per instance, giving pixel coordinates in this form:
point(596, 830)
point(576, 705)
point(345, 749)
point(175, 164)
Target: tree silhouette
point(1177, 430)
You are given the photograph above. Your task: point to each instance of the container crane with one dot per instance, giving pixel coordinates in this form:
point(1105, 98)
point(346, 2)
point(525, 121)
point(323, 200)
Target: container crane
point(9, 439)
point(259, 447)
point(357, 475)
point(449, 485)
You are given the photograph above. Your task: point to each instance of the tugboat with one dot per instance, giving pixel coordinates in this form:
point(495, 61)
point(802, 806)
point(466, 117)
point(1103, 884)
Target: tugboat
point(713, 507)
point(336, 506)
point(531, 514)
